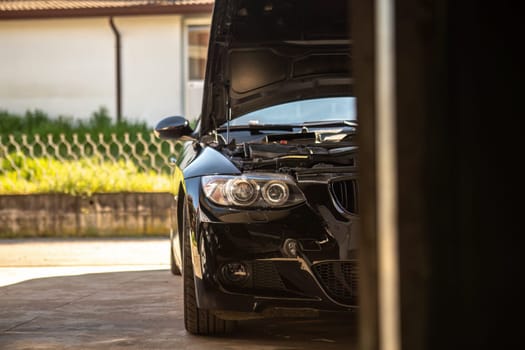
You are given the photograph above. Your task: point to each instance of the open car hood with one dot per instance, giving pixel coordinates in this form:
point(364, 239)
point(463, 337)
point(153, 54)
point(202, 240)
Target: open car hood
point(274, 51)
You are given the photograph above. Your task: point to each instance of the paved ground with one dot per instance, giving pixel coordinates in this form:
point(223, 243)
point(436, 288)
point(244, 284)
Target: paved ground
point(117, 294)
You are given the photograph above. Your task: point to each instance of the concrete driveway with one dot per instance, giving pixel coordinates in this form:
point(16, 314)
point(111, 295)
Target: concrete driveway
point(116, 294)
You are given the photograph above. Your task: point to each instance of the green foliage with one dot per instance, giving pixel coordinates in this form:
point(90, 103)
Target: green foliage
point(82, 177)
point(38, 122)
point(37, 135)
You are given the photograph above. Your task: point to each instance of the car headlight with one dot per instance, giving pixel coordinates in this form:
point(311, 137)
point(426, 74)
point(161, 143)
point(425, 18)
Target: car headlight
point(241, 191)
point(252, 190)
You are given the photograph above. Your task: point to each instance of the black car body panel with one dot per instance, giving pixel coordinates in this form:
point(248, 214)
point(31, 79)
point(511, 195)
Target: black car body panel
point(209, 161)
point(268, 213)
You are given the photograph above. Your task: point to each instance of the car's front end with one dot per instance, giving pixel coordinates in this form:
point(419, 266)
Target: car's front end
point(279, 235)
point(266, 185)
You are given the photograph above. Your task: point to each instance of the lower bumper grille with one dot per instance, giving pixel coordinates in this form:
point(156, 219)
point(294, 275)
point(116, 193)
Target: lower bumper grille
point(339, 279)
point(265, 276)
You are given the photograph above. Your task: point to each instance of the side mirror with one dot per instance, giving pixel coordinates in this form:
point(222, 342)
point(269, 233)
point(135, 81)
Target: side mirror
point(173, 128)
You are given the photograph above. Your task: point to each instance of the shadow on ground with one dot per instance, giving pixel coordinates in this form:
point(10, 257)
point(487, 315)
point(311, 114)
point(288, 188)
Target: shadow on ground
point(141, 310)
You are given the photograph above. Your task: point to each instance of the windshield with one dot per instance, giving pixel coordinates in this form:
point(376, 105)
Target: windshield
point(299, 112)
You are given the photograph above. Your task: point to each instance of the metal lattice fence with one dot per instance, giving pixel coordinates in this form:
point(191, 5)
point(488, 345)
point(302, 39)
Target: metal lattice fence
point(145, 151)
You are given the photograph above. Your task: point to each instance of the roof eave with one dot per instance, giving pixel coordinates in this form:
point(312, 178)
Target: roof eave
point(104, 12)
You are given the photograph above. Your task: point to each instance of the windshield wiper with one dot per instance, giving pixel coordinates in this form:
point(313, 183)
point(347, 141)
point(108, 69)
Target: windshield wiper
point(258, 127)
point(329, 123)
point(289, 127)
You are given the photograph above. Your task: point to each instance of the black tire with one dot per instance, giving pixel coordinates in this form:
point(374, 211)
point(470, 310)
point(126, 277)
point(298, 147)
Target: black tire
point(196, 320)
point(175, 270)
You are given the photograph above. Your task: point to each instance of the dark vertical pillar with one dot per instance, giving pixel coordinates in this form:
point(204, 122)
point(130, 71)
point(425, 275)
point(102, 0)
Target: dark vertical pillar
point(363, 42)
point(472, 141)
point(416, 43)
point(456, 117)
point(458, 113)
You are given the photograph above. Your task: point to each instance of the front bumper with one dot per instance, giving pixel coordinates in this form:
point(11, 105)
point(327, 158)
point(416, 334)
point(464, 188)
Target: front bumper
point(284, 283)
point(314, 278)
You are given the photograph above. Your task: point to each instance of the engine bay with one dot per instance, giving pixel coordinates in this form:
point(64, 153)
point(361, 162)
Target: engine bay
point(290, 152)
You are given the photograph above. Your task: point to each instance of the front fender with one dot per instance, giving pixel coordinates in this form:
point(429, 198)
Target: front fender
point(191, 201)
point(210, 162)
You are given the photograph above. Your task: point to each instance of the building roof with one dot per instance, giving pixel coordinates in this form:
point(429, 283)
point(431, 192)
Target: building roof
point(12, 9)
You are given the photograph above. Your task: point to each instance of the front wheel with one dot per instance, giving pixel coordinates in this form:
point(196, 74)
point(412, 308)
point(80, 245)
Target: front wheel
point(196, 320)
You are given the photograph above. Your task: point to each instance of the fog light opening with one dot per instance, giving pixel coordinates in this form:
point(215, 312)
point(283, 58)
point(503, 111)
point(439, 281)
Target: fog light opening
point(290, 248)
point(235, 272)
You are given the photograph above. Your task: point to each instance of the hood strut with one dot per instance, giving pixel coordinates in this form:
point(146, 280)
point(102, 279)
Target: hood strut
point(229, 111)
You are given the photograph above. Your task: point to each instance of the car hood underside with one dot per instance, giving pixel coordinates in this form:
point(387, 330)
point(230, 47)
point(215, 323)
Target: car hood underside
point(271, 52)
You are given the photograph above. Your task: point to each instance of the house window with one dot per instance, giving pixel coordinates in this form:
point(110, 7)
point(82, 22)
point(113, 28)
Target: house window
point(198, 37)
point(197, 34)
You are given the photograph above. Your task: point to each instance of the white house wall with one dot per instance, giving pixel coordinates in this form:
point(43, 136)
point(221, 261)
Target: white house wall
point(151, 67)
point(67, 66)
point(61, 66)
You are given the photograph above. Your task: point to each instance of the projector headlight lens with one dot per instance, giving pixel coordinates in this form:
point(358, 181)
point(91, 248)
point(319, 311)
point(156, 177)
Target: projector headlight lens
point(241, 191)
point(275, 193)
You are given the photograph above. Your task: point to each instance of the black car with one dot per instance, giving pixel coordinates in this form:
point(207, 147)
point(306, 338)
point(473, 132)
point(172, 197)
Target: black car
point(266, 216)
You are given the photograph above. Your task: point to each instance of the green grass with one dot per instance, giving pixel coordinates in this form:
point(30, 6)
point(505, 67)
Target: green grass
point(82, 177)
